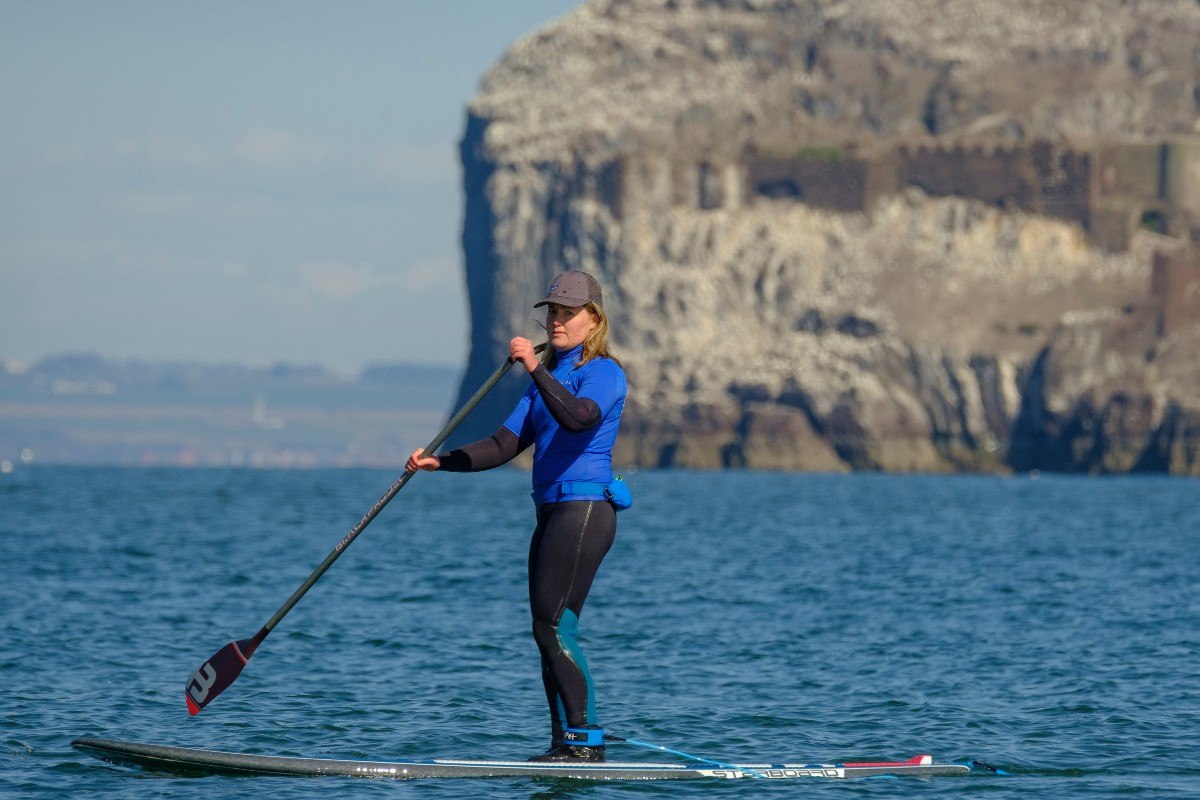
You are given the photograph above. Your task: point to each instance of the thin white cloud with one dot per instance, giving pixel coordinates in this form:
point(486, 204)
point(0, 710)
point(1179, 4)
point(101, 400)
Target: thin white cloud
point(268, 147)
point(272, 147)
point(337, 281)
point(235, 269)
point(173, 152)
point(427, 273)
point(165, 152)
point(289, 296)
point(158, 204)
point(421, 164)
point(66, 154)
point(66, 250)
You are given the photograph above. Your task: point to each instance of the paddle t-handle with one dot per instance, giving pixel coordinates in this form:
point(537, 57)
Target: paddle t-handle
point(217, 673)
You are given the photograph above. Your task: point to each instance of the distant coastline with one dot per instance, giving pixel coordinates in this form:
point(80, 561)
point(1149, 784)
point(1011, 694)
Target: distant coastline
point(85, 409)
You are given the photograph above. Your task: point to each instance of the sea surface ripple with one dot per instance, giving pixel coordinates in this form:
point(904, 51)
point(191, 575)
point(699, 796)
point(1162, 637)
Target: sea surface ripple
point(1049, 626)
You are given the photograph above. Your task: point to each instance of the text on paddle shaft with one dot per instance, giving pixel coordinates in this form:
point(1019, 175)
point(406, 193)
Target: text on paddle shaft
point(370, 515)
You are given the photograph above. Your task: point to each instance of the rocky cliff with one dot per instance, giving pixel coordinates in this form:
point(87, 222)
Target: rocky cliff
point(909, 327)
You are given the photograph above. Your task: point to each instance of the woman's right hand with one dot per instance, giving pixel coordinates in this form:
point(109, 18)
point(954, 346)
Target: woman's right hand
point(521, 349)
point(428, 463)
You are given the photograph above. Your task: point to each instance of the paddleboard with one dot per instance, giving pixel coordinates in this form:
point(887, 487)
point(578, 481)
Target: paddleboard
point(194, 762)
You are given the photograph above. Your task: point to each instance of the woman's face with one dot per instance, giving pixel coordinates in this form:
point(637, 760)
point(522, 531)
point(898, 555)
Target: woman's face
point(567, 326)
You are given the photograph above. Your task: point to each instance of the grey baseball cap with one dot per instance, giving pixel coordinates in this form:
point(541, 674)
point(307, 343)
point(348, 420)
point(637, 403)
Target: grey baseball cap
point(573, 289)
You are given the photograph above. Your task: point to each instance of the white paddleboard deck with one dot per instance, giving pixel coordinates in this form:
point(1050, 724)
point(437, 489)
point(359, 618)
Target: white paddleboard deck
point(191, 761)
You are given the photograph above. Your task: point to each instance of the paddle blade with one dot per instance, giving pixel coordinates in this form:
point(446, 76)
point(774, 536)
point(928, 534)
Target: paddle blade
point(216, 674)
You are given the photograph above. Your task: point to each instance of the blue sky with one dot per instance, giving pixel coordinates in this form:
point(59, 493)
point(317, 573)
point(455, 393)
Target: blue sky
point(240, 181)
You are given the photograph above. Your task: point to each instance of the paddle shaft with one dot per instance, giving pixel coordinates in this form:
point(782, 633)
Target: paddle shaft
point(429, 450)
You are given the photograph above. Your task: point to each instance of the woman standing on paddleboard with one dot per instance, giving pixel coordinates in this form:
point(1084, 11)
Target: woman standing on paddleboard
point(570, 414)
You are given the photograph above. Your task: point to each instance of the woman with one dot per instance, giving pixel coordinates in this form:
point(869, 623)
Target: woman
point(570, 414)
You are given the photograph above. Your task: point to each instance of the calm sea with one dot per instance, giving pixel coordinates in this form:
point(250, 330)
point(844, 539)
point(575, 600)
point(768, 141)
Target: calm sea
point(1049, 626)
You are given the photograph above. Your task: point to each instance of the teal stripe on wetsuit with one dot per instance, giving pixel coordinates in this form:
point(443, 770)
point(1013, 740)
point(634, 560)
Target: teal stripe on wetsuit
point(568, 639)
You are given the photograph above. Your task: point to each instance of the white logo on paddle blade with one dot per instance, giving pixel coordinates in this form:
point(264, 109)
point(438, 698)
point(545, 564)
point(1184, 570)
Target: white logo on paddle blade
point(201, 681)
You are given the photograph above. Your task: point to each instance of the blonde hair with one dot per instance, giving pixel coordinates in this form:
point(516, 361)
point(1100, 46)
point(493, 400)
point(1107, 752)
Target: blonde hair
point(594, 346)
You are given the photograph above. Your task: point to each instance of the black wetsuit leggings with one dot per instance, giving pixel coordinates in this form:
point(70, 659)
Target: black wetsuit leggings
point(569, 542)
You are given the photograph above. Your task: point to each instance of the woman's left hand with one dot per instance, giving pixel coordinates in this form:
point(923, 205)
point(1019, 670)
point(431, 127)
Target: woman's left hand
point(418, 460)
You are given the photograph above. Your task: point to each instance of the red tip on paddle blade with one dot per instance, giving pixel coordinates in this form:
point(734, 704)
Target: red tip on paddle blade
point(215, 675)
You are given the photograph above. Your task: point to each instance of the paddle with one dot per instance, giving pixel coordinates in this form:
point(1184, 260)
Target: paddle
point(216, 674)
